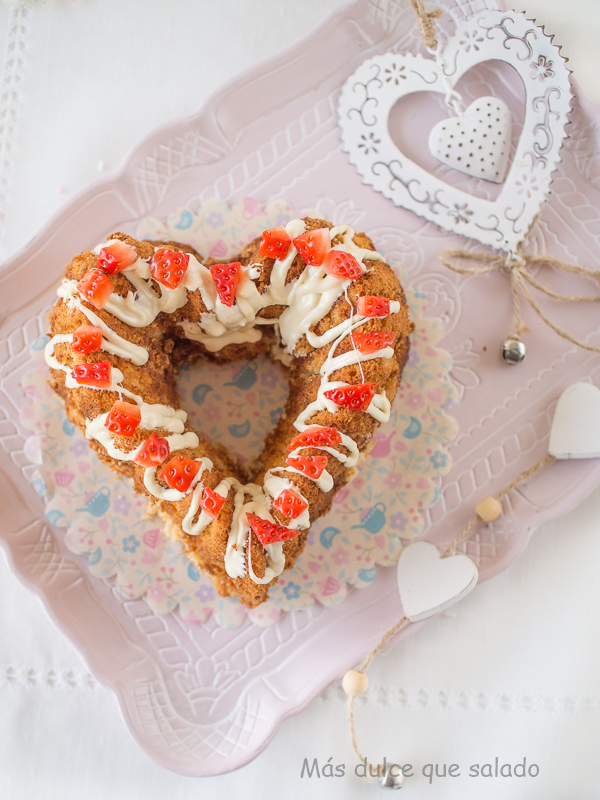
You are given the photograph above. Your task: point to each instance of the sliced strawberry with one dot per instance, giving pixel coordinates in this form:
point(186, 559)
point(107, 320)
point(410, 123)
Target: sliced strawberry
point(180, 472)
point(357, 397)
point(96, 287)
point(123, 418)
point(371, 306)
point(311, 466)
point(226, 278)
point(342, 265)
point(373, 341)
point(275, 243)
point(116, 257)
point(97, 375)
point(87, 339)
point(269, 532)
point(289, 504)
point(212, 502)
point(153, 452)
point(168, 267)
point(313, 246)
point(316, 436)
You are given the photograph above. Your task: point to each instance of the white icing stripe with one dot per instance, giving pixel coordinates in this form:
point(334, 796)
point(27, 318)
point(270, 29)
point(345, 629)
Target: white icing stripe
point(96, 429)
point(324, 482)
point(217, 341)
point(194, 528)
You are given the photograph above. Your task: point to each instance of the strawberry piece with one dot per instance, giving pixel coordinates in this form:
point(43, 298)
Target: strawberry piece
point(153, 452)
point(357, 397)
point(180, 472)
point(373, 341)
point(313, 246)
point(289, 504)
point(212, 502)
point(116, 257)
point(123, 418)
point(87, 339)
point(270, 532)
point(342, 265)
point(168, 267)
point(97, 375)
point(316, 436)
point(226, 278)
point(96, 287)
point(311, 466)
point(275, 243)
point(371, 306)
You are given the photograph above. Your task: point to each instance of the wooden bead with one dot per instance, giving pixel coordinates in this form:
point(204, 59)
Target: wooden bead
point(488, 509)
point(355, 682)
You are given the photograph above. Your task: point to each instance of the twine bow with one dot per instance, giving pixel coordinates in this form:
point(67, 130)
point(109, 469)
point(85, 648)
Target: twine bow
point(426, 22)
point(518, 268)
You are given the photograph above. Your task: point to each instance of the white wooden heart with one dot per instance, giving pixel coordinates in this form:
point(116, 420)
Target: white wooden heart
point(429, 583)
point(575, 431)
point(477, 142)
point(370, 93)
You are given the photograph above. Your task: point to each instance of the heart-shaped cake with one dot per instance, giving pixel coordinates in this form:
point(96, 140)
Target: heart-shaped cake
point(316, 297)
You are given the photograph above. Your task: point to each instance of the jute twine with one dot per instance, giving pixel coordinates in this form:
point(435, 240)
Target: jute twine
point(426, 22)
point(518, 269)
point(450, 549)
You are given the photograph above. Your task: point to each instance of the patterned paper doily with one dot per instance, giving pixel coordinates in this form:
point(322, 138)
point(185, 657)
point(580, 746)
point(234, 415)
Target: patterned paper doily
point(238, 404)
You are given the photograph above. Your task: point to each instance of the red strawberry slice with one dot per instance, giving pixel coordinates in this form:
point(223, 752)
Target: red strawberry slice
point(371, 306)
point(316, 436)
point(123, 418)
point(275, 243)
point(87, 339)
point(289, 504)
point(342, 265)
point(269, 532)
point(226, 278)
point(97, 375)
point(168, 267)
point(96, 287)
point(116, 257)
point(311, 466)
point(357, 397)
point(180, 472)
point(313, 246)
point(373, 341)
point(212, 502)
point(153, 452)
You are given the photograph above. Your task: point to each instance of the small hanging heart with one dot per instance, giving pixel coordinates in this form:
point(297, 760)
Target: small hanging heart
point(477, 142)
point(575, 431)
point(429, 583)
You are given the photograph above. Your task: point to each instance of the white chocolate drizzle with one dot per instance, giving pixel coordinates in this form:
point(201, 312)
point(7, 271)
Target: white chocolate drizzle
point(308, 299)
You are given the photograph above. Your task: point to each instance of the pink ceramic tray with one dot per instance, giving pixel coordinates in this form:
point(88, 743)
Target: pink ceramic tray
point(246, 141)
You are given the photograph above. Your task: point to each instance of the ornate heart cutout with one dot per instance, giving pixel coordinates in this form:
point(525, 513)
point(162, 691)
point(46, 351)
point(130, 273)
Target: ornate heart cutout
point(477, 142)
point(370, 93)
point(575, 431)
point(429, 583)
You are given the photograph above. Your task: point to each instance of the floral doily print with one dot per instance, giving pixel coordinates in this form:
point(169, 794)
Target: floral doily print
point(105, 521)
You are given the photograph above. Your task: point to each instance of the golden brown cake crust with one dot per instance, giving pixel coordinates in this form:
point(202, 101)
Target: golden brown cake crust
point(155, 381)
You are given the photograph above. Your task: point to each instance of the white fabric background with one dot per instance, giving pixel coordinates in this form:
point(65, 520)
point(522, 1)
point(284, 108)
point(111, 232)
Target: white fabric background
point(513, 671)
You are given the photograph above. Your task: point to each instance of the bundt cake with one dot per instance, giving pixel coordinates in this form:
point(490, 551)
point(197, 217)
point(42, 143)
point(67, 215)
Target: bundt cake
point(318, 297)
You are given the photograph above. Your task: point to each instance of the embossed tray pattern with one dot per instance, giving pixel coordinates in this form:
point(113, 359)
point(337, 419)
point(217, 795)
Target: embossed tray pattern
point(200, 699)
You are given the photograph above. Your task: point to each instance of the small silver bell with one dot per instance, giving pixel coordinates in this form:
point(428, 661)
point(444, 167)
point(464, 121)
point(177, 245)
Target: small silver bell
point(393, 777)
point(513, 350)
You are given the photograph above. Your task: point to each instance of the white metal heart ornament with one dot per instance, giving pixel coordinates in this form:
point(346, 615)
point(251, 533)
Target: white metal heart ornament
point(575, 431)
point(476, 142)
point(429, 583)
point(370, 93)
